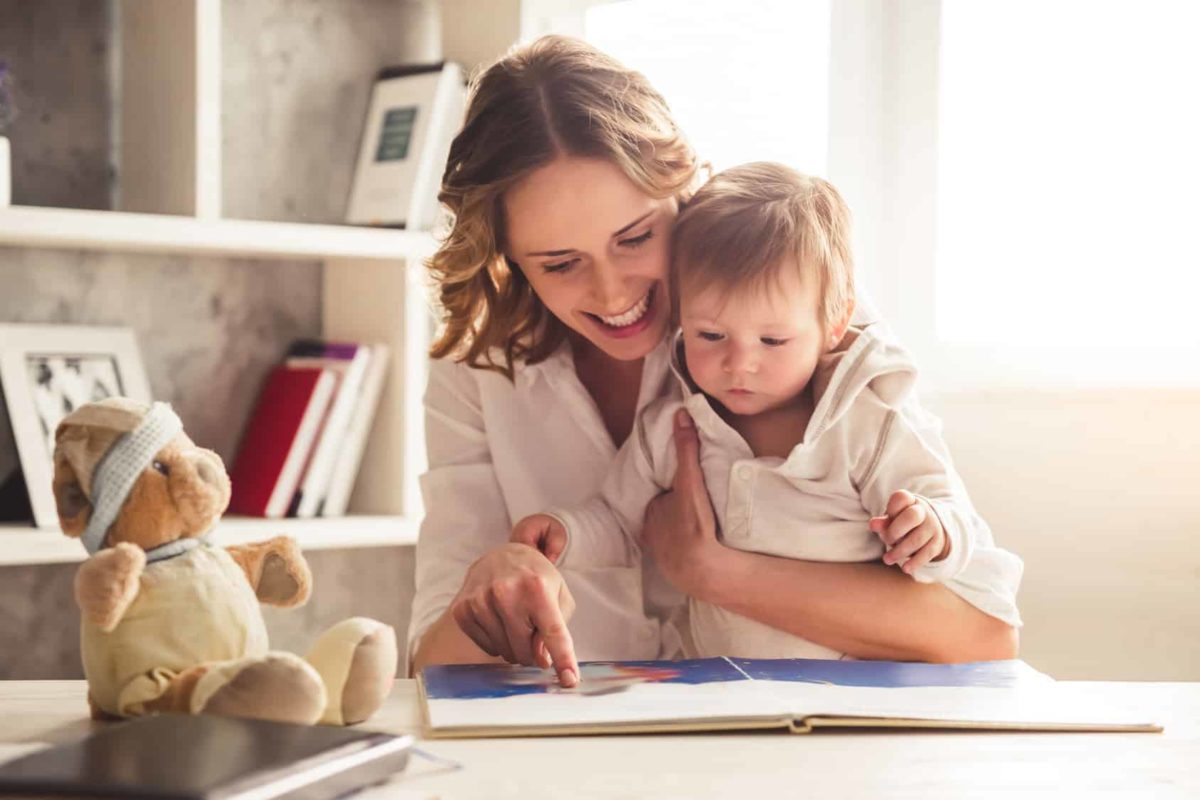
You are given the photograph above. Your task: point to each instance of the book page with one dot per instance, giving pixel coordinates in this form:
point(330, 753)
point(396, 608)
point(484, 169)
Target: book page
point(609, 693)
point(985, 693)
point(891, 674)
point(1052, 705)
point(746, 693)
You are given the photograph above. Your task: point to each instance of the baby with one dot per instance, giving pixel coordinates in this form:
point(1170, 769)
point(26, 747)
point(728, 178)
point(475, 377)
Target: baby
point(812, 442)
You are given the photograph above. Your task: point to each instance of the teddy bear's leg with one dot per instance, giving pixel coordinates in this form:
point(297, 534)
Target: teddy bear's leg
point(356, 659)
point(98, 713)
point(277, 686)
point(176, 698)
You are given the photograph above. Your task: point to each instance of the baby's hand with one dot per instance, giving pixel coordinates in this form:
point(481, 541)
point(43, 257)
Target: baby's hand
point(543, 532)
point(910, 530)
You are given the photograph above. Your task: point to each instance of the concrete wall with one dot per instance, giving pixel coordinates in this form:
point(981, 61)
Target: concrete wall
point(59, 53)
point(295, 89)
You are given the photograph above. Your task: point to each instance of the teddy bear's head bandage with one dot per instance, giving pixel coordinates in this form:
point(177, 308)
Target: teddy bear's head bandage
point(119, 470)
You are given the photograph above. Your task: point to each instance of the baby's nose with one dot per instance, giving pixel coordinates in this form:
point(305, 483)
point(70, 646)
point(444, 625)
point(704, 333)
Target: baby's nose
point(740, 361)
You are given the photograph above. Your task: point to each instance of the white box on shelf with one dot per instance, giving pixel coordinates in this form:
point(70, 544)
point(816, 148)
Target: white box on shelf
point(413, 116)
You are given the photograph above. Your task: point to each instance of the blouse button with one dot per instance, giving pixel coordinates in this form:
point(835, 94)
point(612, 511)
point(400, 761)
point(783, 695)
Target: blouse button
point(744, 472)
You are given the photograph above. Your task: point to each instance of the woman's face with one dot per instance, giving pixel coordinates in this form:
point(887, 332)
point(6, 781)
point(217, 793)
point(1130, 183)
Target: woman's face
point(594, 248)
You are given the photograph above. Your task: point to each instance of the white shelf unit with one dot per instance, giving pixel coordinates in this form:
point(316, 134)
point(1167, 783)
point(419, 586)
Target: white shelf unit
point(164, 233)
point(373, 287)
point(23, 544)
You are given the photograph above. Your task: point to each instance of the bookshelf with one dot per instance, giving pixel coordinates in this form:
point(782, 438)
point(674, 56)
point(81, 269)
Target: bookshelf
point(24, 544)
point(28, 226)
point(373, 283)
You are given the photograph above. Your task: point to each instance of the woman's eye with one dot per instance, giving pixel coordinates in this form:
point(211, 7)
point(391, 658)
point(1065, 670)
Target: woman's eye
point(709, 336)
point(161, 467)
point(770, 341)
point(561, 266)
point(637, 241)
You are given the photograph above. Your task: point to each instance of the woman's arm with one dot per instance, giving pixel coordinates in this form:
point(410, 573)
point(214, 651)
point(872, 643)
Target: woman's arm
point(478, 597)
point(864, 610)
point(513, 606)
point(444, 643)
point(454, 533)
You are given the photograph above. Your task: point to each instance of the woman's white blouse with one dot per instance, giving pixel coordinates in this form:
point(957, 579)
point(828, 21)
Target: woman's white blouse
point(501, 450)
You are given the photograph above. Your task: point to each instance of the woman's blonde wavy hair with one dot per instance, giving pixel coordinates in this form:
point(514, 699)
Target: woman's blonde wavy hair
point(556, 96)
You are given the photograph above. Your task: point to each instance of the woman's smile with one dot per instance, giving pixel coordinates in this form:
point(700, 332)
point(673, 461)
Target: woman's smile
point(631, 321)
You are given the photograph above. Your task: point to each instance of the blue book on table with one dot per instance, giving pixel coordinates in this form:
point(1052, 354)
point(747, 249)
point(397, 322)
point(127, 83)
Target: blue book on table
point(740, 694)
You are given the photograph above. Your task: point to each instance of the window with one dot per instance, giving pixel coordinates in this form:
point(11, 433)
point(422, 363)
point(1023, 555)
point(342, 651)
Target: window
point(747, 81)
point(1067, 173)
point(1023, 173)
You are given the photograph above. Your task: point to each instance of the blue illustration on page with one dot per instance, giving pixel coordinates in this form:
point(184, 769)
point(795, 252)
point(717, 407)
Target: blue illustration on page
point(472, 681)
point(888, 674)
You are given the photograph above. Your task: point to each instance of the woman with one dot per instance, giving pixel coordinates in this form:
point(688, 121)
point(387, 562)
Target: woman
point(564, 183)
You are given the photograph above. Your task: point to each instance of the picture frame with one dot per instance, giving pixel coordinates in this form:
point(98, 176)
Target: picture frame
point(46, 372)
point(412, 117)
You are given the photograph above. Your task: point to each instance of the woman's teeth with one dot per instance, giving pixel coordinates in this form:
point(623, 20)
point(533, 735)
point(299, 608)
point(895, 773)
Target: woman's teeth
point(629, 317)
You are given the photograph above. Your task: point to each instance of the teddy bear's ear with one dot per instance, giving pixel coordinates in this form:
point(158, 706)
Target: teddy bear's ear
point(70, 499)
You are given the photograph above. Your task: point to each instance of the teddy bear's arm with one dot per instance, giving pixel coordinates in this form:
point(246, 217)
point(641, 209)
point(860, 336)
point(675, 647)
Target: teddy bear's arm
point(108, 582)
point(276, 570)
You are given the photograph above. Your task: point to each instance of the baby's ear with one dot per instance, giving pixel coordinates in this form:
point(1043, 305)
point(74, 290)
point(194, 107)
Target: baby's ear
point(838, 329)
point(74, 507)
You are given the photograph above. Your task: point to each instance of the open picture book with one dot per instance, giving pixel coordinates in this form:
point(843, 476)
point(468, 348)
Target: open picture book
point(797, 695)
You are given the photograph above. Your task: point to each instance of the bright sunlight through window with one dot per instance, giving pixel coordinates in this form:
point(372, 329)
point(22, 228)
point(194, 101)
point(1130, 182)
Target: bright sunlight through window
point(747, 81)
point(1069, 167)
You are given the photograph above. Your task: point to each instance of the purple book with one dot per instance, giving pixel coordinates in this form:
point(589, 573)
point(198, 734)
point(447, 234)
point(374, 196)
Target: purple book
point(315, 348)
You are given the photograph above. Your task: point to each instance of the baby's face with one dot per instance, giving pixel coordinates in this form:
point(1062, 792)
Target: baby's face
point(753, 351)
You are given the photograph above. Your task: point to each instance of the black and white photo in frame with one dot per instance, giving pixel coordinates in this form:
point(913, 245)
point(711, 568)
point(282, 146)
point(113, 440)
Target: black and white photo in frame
point(47, 371)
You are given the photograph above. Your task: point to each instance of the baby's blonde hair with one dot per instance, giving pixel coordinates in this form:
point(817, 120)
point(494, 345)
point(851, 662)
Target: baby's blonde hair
point(738, 229)
point(557, 96)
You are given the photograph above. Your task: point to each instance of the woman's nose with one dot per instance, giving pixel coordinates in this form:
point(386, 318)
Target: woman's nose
point(608, 288)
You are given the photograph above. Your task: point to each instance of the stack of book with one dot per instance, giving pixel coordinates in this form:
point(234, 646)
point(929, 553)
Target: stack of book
point(301, 450)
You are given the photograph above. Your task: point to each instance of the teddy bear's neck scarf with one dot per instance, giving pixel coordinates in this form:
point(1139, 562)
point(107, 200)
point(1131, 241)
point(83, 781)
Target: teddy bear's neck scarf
point(119, 470)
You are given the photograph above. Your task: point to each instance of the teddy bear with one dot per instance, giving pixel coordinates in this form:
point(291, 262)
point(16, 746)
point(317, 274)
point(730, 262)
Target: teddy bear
point(171, 622)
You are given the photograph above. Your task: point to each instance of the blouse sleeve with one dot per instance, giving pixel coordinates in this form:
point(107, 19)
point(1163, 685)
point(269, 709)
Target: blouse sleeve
point(913, 456)
point(465, 511)
point(604, 530)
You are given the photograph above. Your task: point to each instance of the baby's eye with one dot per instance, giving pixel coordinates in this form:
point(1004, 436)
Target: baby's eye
point(771, 341)
point(561, 266)
point(637, 241)
point(709, 336)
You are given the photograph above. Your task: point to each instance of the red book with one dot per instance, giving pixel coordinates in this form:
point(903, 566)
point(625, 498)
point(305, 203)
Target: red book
point(278, 440)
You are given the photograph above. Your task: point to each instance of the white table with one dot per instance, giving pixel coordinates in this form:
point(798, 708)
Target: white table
point(823, 765)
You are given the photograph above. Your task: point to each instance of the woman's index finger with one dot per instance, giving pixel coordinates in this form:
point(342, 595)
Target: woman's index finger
point(552, 628)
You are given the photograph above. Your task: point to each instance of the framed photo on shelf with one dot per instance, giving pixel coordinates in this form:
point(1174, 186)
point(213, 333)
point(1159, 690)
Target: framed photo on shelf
point(47, 371)
point(412, 118)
